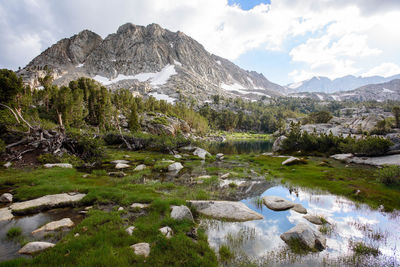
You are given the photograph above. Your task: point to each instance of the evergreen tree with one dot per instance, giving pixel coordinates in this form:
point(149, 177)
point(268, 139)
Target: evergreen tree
point(133, 121)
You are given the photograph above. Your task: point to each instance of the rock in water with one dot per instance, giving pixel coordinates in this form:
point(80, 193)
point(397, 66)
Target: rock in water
point(277, 203)
point(342, 156)
point(314, 219)
point(299, 208)
point(219, 156)
point(201, 153)
point(229, 210)
point(5, 214)
point(277, 146)
point(307, 236)
point(141, 249)
point(59, 165)
point(35, 247)
point(167, 231)
point(6, 198)
point(177, 166)
point(52, 226)
point(181, 213)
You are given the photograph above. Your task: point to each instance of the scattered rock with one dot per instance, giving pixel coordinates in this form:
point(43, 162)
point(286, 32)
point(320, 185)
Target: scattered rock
point(140, 167)
point(141, 249)
point(53, 226)
point(88, 207)
point(60, 165)
point(167, 231)
point(201, 153)
point(268, 154)
point(277, 146)
point(219, 156)
point(181, 213)
point(7, 165)
point(121, 166)
point(226, 175)
point(35, 247)
point(117, 174)
point(6, 198)
point(342, 156)
point(77, 235)
point(314, 219)
point(299, 208)
point(292, 161)
point(177, 166)
point(140, 206)
point(187, 148)
point(120, 161)
point(229, 210)
point(277, 203)
point(5, 214)
point(130, 229)
point(306, 235)
point(127, 156)
point(204, 177)
point(177, 156)
point(85, 176)
point(192, 233)
point(120, 209)
point(49, 201)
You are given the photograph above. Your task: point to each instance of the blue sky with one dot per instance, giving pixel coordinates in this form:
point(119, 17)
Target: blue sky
point(286, 40)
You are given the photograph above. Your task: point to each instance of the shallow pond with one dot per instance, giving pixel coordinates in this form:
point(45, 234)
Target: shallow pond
point(240, 147)
point(259, 241)
point(9, 247)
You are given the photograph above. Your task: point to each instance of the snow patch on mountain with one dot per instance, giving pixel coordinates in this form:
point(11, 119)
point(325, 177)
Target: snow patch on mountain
point(165, 97)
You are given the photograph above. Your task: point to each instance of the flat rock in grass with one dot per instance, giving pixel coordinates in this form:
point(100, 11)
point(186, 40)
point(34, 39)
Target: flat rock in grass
point(277, 203)
point(6, 198)
point(120, 161)
point(204, 177)
point(229, 210)
point(226, 175)
point(291, 161)
point(5, 214)
point(130, 229)
point(59, 165)
point(121, 166)
point(53, 226)
point(49, 201)
point(177, 166)
point(177, 156)
point(181, 213)
point(314, 219)
point(35, 247)
point(201, 153)
point(219, 156)
point(141, 249)
point(140, 206)
point(140, 167)
point(167, 231)
point(305, 235)
point(299, 208)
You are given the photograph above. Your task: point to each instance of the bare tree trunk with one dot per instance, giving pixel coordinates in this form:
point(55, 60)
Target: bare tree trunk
point(122, 137)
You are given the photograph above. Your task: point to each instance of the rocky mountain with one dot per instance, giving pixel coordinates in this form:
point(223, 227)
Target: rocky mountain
point(379, 92)
point(149, 61)
point(346, 83)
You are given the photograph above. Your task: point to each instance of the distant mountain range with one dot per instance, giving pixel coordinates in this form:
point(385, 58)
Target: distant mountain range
point(150, 61)
point(346, 83)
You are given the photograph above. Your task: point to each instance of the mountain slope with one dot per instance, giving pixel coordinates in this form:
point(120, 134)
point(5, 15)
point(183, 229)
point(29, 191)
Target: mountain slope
point(149, 60)
point(346, 83)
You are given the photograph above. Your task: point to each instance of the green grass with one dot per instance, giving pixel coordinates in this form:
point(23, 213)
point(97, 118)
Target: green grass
point(361, 249)
point(14, 232)
point(225, 253)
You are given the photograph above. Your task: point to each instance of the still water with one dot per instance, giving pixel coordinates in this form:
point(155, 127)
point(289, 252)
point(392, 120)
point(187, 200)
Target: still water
point(240, 147)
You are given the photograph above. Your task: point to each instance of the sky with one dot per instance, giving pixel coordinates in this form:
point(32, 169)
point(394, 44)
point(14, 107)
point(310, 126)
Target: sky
point(286, 40)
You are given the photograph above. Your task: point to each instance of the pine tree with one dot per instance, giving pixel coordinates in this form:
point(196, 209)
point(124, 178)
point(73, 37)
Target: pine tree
point(133, 121)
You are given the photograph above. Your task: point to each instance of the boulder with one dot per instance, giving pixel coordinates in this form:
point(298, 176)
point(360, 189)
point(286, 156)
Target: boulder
point(228, 210)
point(306, 235)
point(35, 247)
point(6, 198)
point(226, 175)
point(181, 213)
point(49, 201)
point(59, 165)
point(5, 214)
point(314, 219)
point(277, 203)
point(130, 229)
point(291, 161)
point(201, 153)
point(177, 156)
point(120, 161)
point(277, 145)
point(177, 166)
point(53, 226)
point(140, 167)
point(342, 156)
point(299, 208)
point(187, 148)
point(121, 166)
point(141, 249)
point(219, 156)
point(167, 231)
point(140, 206)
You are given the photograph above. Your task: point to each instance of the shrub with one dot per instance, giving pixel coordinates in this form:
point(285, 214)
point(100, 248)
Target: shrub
point(389, 175)
point(369, 146)
point(160, 120)
point(88, 148)
point(319, 117)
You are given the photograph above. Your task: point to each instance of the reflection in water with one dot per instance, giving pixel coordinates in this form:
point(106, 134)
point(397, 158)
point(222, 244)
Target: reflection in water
point(351, 223)
point(240, 147)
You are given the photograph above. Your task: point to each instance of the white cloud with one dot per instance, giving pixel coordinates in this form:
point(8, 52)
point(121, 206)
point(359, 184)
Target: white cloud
point(385, 69)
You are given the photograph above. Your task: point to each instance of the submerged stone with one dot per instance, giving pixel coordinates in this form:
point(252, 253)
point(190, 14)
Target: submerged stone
point(299, 208)
point(307, 236)
point(5, 214)
point(277, 203)
point(314, 219)
point(52, 226)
